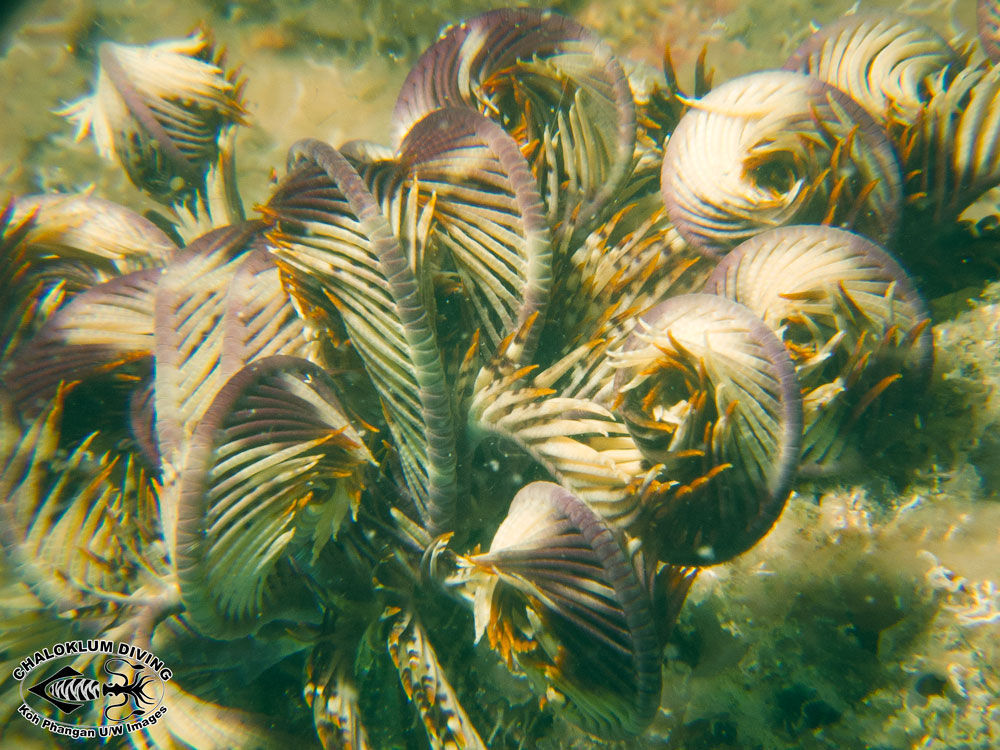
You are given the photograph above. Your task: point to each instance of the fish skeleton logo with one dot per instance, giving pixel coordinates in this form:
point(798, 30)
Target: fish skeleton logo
point(68, 690)
point(130, 699)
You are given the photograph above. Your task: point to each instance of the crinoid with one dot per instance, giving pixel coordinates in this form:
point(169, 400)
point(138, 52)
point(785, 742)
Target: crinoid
point(476, 398)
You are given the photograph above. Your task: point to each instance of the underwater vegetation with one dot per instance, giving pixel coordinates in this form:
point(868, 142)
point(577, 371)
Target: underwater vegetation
point(441, 432)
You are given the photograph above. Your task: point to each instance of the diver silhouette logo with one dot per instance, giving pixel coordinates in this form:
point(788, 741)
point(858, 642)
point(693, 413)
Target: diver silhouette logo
point(69, 690)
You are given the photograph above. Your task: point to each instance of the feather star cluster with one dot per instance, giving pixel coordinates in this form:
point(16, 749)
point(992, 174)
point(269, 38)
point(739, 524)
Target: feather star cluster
point(504, 386)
